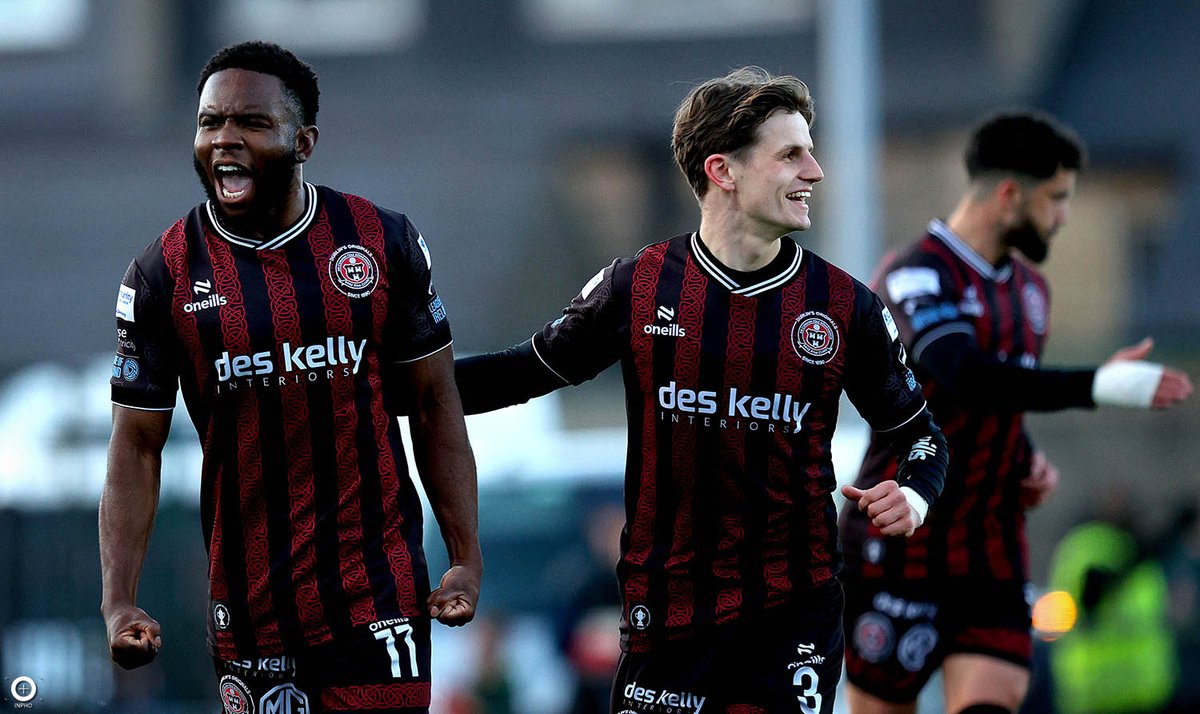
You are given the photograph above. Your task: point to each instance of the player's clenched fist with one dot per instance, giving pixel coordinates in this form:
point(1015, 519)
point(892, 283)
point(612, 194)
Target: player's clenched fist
point(134, 637)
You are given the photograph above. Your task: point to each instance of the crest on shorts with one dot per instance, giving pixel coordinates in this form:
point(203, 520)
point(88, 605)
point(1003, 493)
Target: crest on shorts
point(874, 637)
point(235, 696)
point(815, 337)
point(915, 646)
point(354, 271)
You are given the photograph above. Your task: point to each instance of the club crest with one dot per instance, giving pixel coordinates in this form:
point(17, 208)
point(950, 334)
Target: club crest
point(815, 337)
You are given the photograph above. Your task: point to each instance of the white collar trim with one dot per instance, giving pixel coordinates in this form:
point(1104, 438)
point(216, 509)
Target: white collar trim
point(717, 271)
point(941, 231)
point(299, 227)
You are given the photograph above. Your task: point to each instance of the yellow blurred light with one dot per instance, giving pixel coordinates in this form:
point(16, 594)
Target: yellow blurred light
point(1054, 614)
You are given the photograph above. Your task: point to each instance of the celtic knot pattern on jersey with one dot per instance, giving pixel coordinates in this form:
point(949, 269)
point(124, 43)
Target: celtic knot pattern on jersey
point(339, 321)
point(372, 236)
point(236, 332)
point(644, 293)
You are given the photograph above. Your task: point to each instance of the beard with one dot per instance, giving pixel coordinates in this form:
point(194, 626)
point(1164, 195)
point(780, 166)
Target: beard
point(1029, 240)
point(271, 189)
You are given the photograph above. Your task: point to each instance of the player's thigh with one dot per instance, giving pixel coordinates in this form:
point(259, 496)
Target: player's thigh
point(971, 678)
point(862, 702)
point(895, 641)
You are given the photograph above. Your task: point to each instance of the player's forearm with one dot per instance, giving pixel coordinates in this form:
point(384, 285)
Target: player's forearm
point(922, 455)
point(986, 384)
point(128, 505)
point(447, 469)
point(502, 379)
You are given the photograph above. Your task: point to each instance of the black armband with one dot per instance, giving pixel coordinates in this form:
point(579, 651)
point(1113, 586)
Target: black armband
point(987, 384)
point(502, 379)
point(922, 455)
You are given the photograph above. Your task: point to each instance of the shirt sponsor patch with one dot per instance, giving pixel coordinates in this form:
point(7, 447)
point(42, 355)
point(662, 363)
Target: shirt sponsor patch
point(908, 283)
point(890, 324)
point(125, 303)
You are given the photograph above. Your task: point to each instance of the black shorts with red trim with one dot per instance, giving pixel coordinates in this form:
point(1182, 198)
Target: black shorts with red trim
point(381, 668)
point(899, 633)
point(780, 661)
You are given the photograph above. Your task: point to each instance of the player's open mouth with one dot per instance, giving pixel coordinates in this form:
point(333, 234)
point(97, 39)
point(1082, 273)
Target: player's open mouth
point(799, 196)
point(233, 181)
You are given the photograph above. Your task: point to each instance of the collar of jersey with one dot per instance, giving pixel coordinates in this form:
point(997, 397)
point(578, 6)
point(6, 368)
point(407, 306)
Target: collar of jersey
point(780, 270)
point(300, 226)
point(943, 233)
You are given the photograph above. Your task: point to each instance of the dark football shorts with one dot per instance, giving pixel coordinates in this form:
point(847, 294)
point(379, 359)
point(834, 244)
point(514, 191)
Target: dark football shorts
point(785, 660)
point(898, 634)
point(383, 667)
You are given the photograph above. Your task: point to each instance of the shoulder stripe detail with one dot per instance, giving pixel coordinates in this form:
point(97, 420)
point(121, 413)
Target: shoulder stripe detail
point(943, 233)
point(937, 333)
point(533, 344)
point(427, 354)
point(302, 225)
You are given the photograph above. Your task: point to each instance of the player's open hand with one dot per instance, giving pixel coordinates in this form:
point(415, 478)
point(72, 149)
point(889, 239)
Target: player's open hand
point(1173, 386)
point(1040, 484)
point(887, 506)
point(453, 603)
point(134, 637)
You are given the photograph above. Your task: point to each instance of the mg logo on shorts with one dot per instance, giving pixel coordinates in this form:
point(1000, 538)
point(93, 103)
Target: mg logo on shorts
point(284, 699)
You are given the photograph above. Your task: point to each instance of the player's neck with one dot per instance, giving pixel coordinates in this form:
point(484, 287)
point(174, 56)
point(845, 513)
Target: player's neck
point(980, 233)
point(272, 220)
point(736, 245)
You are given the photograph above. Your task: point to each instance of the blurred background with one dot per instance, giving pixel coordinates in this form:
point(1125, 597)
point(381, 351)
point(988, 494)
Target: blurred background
point(529, 141)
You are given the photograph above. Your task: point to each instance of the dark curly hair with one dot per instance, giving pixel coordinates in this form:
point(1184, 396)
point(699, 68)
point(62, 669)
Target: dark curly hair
point(299, 79)
point(1023, 142)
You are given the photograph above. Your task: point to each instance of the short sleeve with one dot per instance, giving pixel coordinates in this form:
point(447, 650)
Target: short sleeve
point(927, 303)
point(145, 370)
point(588, 337)
point(878, 380)
point(417, 325)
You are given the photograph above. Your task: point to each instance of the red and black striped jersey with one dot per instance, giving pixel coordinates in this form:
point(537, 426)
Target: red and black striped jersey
point(937, 288)
point(281, 349)
point(732, 387)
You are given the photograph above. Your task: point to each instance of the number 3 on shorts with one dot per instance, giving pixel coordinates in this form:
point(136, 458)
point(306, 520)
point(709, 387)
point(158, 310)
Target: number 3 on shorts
point(389, 636)
point(807, 679)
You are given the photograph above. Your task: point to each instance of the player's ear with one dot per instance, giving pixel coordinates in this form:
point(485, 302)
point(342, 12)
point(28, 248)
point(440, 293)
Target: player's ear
point(719, 169)
point(306, 141)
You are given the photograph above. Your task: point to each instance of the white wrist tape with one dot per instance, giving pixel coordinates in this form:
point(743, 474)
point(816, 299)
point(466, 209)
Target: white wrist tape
point(1126, 383)
point(918, 504)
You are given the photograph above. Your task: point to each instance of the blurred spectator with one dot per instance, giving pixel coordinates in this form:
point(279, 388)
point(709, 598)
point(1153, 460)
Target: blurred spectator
point(1120, 656)
point(1182, 561)
point(588, 631)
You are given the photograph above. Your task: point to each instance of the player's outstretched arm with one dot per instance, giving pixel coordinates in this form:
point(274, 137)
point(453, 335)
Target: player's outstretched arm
point(1127, 380)
point(447, 469)
point(502, 379)
point(128, 505)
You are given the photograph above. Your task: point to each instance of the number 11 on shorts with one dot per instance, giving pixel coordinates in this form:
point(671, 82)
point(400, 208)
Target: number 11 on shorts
point(389, 636)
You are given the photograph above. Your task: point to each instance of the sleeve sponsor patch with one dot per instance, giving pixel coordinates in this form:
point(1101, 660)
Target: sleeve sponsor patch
point(437, 309)
point(890, 324)
point(934, 314)
point(591, 285)
point(425, 251)
point(125, 299)
point(907, 283)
